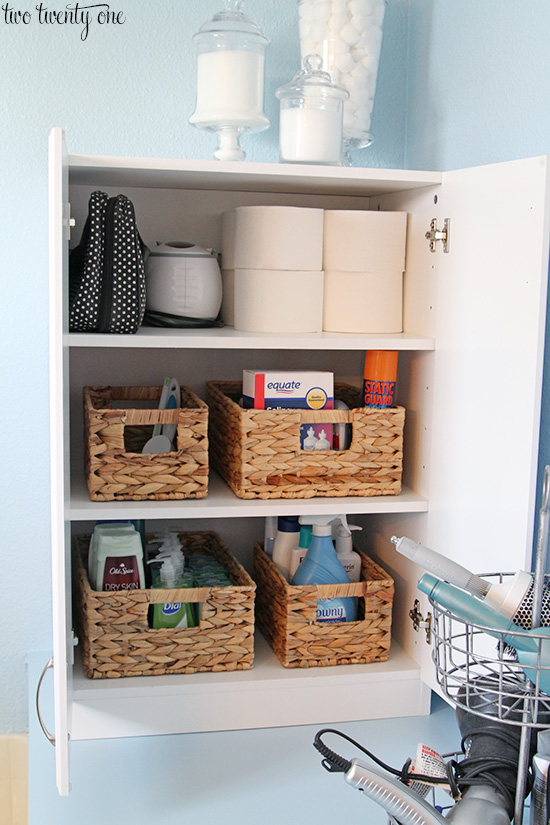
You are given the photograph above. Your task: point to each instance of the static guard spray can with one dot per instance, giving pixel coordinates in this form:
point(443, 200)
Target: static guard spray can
point(379, 378)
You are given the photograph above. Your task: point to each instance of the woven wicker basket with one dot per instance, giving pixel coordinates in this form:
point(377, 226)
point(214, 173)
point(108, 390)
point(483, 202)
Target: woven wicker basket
point(116, 469)
point(286, 615)
point(258, 452)
point(115, 637)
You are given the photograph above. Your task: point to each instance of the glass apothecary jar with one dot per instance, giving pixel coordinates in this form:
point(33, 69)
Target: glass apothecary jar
point(348, 36)
point(230, 78)
point(311, 116)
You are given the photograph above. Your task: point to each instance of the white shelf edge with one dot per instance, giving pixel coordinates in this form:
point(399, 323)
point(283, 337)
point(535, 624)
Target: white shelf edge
point(268, 695)
point(229, 338)
point(271, 177)
point(221, 502)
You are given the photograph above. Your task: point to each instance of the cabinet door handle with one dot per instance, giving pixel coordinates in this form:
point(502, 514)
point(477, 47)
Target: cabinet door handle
point(49, 736)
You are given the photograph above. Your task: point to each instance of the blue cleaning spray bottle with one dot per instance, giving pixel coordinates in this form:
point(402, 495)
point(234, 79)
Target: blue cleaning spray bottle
point(321, 566)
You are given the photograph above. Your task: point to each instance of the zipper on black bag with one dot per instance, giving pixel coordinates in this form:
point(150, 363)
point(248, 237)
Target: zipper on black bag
point(106, 302)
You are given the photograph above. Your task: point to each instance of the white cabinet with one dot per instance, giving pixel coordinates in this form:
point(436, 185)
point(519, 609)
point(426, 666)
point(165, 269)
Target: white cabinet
point(470, 378)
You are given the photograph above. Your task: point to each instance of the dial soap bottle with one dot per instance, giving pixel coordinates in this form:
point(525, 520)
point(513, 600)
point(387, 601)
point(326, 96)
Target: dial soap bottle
point(321, 566)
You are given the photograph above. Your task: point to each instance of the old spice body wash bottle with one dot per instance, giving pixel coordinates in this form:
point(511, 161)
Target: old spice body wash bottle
point(379, 378)
point(118, 563)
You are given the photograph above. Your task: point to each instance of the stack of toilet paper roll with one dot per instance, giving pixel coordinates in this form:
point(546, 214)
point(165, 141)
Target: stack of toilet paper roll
point(364, 262)
point(298, 269)
point(278, 274)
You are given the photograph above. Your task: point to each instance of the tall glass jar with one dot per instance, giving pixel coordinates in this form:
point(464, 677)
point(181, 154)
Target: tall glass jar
point(230, 78)
point(348, 36)
point(311, 110)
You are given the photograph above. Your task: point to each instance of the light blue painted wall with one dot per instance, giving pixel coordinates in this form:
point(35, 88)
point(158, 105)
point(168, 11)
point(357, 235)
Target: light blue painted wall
point(125, 90)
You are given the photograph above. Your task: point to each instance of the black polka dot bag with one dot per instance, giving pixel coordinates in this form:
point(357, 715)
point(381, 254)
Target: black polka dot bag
point(106, 269)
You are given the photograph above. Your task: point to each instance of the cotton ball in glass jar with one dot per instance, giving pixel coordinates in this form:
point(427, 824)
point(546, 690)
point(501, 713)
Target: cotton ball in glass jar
point(338, 46)
point(359, 6)
point(321, 11)
point(350, 34)
point(305, 10)
point(360, 22)
point(344, 62)
point(378, 11)
point(338, 19)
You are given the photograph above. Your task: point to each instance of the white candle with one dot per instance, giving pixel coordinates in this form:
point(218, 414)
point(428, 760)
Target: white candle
point(229, 87)
point(310, 135)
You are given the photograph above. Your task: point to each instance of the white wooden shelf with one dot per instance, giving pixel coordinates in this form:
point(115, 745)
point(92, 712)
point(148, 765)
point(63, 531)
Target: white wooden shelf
point(221, 502)
point(186, 703)
point(243, 177)
point(229, 338)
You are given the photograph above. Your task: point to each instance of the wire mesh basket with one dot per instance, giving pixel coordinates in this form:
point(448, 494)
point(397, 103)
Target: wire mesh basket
point(479, 671)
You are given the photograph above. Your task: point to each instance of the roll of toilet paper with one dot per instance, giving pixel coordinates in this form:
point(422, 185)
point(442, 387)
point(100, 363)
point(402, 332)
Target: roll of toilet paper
point(268, 300)
point(361, 241)
point(279, 237)
point(363, 302)
point(228, 297)
point(228, 240)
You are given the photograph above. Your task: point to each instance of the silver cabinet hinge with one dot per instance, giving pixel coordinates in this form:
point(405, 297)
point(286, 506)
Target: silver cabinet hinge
point(419, 622)
point(434, 234)
point(74, 643)
point(70, 222)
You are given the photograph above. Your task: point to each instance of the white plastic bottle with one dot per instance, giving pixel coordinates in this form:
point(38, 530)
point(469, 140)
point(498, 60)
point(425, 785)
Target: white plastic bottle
point(118, 562)
point(269, 534)
point(286, 539)
point(112, 528)
point(348, 558)
point(323, 443)
point(298, 554)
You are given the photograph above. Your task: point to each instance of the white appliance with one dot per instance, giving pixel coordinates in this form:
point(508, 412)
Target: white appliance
point(183, 280)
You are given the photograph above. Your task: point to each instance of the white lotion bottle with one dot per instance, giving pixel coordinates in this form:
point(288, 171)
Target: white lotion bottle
point(298, 554)
point(286, 539)
point(348, 558)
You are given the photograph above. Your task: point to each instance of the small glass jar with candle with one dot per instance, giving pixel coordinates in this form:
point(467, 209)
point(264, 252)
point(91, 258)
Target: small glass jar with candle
point(311, 116)
point(230, 79)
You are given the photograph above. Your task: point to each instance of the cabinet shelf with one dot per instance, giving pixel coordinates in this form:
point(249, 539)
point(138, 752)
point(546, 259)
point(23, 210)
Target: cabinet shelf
point(221, 502)
point(172, 173)
point(229, 338)
point(268, 695)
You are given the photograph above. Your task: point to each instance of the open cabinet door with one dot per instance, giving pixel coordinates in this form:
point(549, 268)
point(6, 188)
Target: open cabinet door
point(59, 456)
point(476, 399)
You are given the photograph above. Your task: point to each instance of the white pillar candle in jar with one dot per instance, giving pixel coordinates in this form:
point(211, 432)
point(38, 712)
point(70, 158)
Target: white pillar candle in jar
point(311, 116)
point(230, 79)
point(230, 85)
point(311, 135)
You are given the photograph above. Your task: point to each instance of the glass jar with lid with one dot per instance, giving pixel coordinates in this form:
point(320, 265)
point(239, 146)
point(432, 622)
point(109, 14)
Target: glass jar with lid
point(348, 36)
point(230, 78)
point(311, 116)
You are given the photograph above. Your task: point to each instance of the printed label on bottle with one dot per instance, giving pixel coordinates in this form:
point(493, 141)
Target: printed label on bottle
point(171, 607)
point(121, 573)
point(328, 612)
point(378, 393)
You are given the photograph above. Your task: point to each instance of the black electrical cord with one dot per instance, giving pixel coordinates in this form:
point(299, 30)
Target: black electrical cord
point(460, 775)
point(334, 763)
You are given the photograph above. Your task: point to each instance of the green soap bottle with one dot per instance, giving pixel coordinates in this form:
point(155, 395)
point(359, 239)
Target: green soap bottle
point(172, 614)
